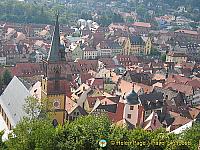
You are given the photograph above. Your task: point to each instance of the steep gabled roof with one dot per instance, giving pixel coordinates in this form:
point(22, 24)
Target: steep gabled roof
point(136, 40)
point(13, 99)
point(55, 50)
point(152, 122)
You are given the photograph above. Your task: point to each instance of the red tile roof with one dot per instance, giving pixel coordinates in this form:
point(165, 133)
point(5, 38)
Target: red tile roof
point(187, 32)
point(85, 76)
point(187, 89)
point(27, 69)
point(96, 81)
point(178, 79)
point(194, 83)
point(125, 86)
point(119, 112)
point(92, 100)
point(179, 121)
point(108, 62)
point(142, 24)
point(24, 69)
point(175, 54)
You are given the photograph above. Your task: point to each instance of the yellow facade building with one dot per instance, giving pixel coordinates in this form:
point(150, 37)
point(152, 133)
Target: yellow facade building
point(176, 57)
point(137, 45)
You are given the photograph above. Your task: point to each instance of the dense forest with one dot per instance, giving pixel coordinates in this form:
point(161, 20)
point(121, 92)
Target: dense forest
point(21, 12)
point(43, 12)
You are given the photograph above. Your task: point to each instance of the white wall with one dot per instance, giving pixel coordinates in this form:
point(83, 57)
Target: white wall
point(134, 113)
point(2, 60)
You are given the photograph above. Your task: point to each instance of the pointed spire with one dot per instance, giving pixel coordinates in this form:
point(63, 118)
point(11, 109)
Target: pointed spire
point(54, 52)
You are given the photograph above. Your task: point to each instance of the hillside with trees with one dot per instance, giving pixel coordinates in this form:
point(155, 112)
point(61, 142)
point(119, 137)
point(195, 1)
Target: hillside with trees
point(44, 13)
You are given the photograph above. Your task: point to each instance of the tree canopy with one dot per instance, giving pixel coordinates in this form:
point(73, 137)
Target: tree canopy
point(86, 132)
point(7, 77)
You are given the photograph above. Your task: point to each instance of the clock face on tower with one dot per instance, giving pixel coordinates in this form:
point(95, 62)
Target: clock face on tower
point(56, 104)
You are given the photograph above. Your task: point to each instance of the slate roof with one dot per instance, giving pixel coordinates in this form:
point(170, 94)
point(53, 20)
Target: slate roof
point(152, 100)
point(136, 40)
point(132, 98)
point(13, 99)
point(109, 108)
point(55, 53)
point(81, 110)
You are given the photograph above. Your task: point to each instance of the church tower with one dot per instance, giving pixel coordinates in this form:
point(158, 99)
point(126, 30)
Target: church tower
point(54, 82)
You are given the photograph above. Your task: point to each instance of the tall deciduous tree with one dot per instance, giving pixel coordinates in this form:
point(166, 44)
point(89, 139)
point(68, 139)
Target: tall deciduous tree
point(36, 134)
point(1, 84)
point(7, 77)
point(192, 135)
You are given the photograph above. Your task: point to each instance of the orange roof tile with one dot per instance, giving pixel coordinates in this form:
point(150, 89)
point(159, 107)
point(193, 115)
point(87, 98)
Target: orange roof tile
point(187, 32)
point(142, 24)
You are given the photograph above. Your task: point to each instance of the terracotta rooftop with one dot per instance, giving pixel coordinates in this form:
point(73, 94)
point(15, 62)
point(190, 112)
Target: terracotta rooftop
point(187, 89)
point(119, 112)
point(187, 32)
point(194, 83)
point(175, 54)
point(178, 79)
point(142, 24)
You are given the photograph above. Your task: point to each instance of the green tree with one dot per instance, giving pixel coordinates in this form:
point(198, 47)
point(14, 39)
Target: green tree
point(83, 133)
point(36, 134)
point(163, 57)
point(192, 135)
point(2, 144)
point(7, 77)
point(86, 132)
point(117, 18)
point(1, 84)
point(154, 52)
point(86, 16)
point(33, 107)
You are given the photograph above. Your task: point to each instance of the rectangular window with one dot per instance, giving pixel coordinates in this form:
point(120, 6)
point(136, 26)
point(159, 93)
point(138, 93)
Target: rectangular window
point(70, 118)
point(129, 116)
point(131, 107)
